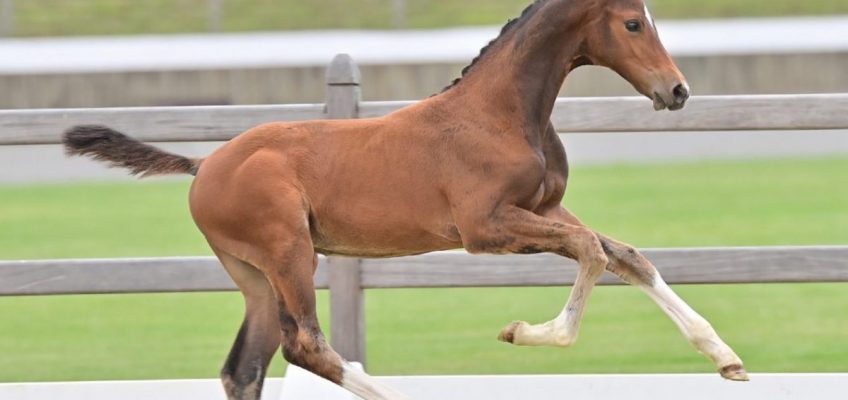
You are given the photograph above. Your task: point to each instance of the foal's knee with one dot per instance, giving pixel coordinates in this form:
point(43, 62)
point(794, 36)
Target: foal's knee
point(590, 252)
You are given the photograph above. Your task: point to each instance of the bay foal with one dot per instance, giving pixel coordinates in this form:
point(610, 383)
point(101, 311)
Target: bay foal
point(478, 166)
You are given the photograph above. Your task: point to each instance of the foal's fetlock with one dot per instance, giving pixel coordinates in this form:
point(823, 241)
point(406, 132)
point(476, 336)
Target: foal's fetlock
point(521, 333)
point(561, 340)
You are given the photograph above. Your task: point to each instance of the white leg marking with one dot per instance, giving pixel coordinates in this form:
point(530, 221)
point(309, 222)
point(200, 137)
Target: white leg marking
point(551, 333)
point(363, 385)
point(563, 330)
point(697, 330)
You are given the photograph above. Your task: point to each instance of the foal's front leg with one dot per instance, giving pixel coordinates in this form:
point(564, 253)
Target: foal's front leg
point(515, 230)
point(635, 269)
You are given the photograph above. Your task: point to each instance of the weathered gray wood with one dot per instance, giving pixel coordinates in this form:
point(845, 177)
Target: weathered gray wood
point(215, 10)
point(7, 18)
point(112, 276)
point(149, 124)
point(399, 14)
point(343, 91)
point(444, 269)
point(372, 109)
point(347, 308)
point(678, 266)
point(703, 113)
point(753, 264)
point(130, 275)
point(611, 114)
point(347, 302)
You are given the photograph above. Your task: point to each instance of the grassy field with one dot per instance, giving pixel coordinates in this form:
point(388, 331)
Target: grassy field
point(773, 327)
point(97, 17)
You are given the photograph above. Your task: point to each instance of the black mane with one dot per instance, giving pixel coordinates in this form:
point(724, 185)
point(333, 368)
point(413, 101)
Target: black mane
point(506, 28)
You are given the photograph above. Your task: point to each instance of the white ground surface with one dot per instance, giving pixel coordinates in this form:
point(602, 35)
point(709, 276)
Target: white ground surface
point(301, 385)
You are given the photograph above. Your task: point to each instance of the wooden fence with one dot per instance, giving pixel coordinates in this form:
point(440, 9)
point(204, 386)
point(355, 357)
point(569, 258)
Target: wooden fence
point(7, 19)
point(347, 278)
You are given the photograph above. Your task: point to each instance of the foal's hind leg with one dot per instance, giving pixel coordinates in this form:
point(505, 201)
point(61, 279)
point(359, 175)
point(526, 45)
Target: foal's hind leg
point(280, 246)
point(635, 269)
point(303, 342)
point(259, 337)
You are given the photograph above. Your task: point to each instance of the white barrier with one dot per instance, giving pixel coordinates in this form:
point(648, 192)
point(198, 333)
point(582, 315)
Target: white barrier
point(206, 389)
point(298, 385)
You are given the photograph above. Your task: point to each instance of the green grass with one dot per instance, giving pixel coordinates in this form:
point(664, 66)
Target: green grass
point(95, 220)
point(97, 17)
point(705, 204)
point(775, 328)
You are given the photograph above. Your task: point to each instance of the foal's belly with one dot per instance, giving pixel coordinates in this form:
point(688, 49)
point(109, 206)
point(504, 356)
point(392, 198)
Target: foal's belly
point(382, 243)
point(383, 213)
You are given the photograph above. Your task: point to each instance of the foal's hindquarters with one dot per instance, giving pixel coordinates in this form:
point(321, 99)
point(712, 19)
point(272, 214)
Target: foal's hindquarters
point(256, 219)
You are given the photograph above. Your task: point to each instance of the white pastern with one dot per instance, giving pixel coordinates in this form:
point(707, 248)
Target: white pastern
point(696, 329)
point(552, 333)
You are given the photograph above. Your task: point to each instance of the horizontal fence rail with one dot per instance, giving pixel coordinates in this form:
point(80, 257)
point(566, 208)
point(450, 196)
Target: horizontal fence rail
point(586, 115)
point(434, 270)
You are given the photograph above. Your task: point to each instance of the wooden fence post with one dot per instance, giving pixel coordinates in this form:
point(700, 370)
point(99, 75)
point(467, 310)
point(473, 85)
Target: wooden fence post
point(399, 14)
point(347, 302)
point(215, 11)
point(7, 18)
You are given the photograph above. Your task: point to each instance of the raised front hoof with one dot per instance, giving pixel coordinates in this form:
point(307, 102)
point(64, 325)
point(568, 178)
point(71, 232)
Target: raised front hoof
point(507, 335)
point(735, 372)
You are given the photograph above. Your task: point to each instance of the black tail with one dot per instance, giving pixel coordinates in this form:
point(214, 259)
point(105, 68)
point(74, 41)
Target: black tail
point(119, 150)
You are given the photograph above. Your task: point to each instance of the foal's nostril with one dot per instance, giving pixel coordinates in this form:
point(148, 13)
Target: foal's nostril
point(681, 92)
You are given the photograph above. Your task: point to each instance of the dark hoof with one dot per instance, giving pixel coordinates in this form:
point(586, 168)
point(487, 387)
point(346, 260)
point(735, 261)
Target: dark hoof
point(734, 372)
point(507, 335)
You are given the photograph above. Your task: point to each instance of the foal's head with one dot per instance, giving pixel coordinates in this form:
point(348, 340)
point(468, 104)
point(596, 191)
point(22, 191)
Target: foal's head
point(620, 34)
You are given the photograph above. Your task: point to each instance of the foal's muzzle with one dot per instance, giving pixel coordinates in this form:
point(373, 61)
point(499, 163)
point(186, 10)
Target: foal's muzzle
point(674, 99)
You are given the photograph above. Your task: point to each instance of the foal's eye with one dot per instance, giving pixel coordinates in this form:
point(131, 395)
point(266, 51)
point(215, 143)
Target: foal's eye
point(634, 25)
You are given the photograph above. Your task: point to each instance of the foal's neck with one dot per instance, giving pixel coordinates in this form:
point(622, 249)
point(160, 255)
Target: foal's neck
point(518, 78)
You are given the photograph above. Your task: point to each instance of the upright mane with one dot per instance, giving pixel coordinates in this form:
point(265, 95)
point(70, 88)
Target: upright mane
point(506, 28)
